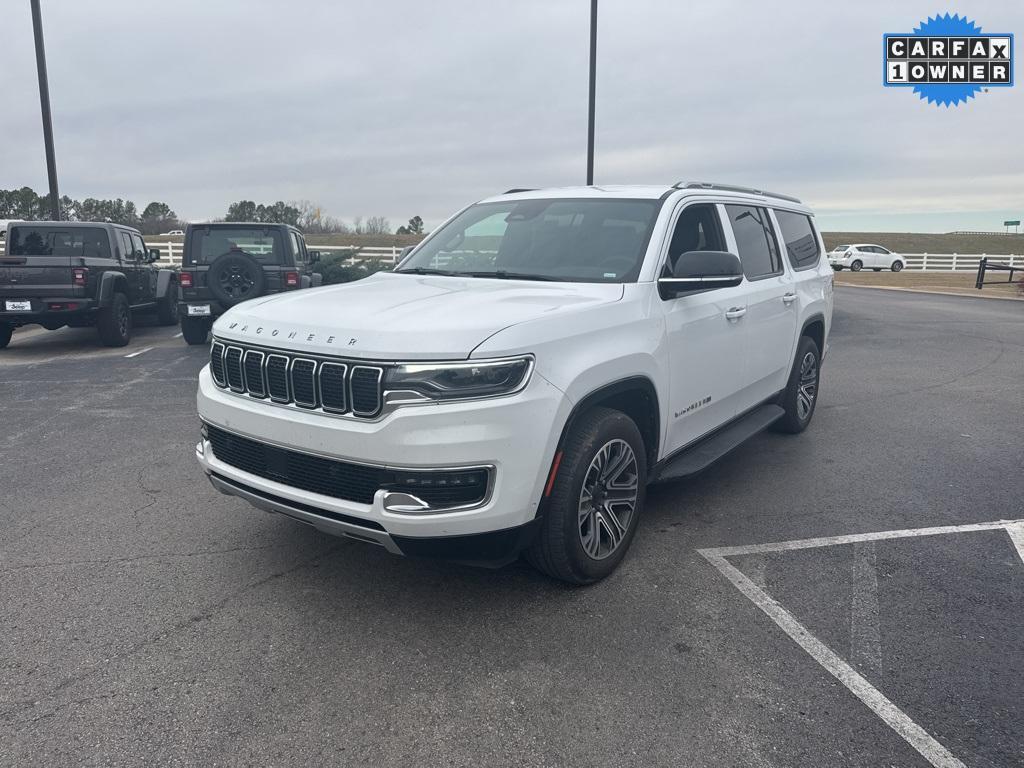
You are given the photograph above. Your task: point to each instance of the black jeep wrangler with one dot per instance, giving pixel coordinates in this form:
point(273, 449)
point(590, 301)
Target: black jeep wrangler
point(227, 263)
point(80, 274)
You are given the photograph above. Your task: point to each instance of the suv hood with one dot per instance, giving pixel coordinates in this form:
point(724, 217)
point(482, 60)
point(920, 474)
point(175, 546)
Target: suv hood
point(404, 317)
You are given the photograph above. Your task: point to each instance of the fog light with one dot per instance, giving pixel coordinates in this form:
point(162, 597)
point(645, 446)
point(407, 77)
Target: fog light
point(436, 491)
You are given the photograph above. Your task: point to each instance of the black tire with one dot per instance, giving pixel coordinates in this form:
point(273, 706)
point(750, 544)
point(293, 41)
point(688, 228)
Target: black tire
point(235, 277)
point(897, 266)
point(6, 330)
point(856, 265)
point(563, 549)
point(195, 330)
point(799, 388)
point(167, 307)
point(838, 269)
point(115, 322)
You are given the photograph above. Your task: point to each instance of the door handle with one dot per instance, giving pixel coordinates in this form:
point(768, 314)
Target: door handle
point(788, 298)
point(735, 313)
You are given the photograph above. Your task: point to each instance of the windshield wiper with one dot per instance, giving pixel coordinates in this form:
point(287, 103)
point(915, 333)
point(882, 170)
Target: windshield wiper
point(426, 271)
point(502, 274)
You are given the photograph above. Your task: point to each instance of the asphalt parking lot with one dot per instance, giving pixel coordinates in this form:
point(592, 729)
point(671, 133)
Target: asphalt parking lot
point(149, 620)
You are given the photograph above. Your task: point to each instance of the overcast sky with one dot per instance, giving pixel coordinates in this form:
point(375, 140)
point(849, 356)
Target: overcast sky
point(400, 108)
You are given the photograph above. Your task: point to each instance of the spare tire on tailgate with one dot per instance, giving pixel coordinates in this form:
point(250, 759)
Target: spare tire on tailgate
point(235, 277)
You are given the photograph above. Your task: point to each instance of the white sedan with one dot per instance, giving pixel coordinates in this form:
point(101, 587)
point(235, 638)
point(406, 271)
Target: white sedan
point(857, 257)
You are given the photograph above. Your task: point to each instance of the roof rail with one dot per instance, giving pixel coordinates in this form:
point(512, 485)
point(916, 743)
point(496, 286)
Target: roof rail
point(513, 191)
point(733, 188)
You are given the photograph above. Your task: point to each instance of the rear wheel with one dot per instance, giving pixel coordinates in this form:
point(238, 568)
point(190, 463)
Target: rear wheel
point(167, 307)
point(596, 499)
point(856, 266)
point(195, 330)
point(5, 334)
point(115, 322)
point(801, 393)
point(897, 266)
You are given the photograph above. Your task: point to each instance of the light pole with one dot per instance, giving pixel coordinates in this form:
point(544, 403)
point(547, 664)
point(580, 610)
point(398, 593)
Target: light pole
point(44, 102)
point(593, 78)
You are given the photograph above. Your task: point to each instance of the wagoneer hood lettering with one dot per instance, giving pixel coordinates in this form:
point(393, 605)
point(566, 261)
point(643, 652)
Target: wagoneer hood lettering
point(408, 317)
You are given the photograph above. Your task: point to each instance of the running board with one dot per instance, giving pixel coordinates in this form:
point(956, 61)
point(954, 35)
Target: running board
point(710, 449)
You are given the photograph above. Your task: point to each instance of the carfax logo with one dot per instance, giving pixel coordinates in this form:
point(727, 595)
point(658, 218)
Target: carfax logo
point(948, 59)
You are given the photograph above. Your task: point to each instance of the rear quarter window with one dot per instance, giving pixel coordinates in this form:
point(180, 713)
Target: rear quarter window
point(87, 242)
point(800, 239)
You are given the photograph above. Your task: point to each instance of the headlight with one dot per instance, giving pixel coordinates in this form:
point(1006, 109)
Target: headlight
point(414, 382)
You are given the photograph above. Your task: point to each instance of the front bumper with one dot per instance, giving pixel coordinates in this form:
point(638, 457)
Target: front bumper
point(516, 435)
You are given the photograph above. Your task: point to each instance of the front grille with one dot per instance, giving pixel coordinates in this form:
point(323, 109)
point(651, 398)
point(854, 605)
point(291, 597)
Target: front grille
point(345, 480)
point(330, 385)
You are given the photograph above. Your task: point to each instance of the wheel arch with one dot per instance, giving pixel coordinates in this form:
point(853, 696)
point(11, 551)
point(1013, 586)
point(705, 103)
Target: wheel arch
point(111, 283)
point(814, 328)
point(635, 396)
point(165, 280)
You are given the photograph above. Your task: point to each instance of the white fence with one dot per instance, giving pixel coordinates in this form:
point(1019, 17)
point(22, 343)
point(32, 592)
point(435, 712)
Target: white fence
point(926, 262)
point(170, 252)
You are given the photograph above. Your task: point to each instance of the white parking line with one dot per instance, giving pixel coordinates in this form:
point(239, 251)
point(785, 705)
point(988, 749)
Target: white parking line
point(140, 352)
point(177, 336)
point(875, 700)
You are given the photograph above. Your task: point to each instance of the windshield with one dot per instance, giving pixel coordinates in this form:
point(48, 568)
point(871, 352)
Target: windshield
point(570, 240)
point(840, 248)
point(54, 241)
point(207, 243)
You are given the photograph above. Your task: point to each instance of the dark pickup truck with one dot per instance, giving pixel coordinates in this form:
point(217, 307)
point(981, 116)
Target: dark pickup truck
point(82, 274)
point(226, 263)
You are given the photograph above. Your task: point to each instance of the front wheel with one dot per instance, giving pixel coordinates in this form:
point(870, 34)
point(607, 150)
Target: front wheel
point(856, 266)
point(195, 330)
point(801, 393)
point(596, 499)
point(897, 266)
point(6, 331)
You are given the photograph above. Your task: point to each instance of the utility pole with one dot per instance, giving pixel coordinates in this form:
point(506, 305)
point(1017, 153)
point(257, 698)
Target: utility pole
point(44, 102)
point(593, 78)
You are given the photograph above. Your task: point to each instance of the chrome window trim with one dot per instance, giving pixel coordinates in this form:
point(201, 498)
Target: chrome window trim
point(344, 387)
point(263, 377)
point(380, 395)
point(313, 375)
point(287, 380)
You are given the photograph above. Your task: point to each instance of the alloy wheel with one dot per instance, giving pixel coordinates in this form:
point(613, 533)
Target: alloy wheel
point(808, 387)
point(608, 499)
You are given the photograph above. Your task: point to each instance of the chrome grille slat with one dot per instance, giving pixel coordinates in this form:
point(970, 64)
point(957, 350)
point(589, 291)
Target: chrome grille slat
point(304, 382)
point(364, 386)
point(277, 378)
point(333, 377)
point(252, 365)
point(309, 382)
point(217, 364)
point(233, 369)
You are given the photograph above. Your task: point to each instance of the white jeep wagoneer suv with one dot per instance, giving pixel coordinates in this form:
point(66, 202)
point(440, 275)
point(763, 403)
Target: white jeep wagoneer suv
point(525, 372)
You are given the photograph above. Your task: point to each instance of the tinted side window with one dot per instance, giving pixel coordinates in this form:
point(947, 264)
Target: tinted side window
point(754, 240)
point(697, 229)
point(300, 255)
point(800, 238)
point(139, 246)
point(126, 246)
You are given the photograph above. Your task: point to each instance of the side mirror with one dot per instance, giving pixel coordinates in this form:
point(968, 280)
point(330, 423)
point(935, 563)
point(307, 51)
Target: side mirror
point(701, 271)
point(314, 256)
point(153, 254)
point(404, 252)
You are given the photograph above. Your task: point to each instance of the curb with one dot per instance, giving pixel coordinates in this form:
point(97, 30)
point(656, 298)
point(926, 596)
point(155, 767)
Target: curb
point(932, 293)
